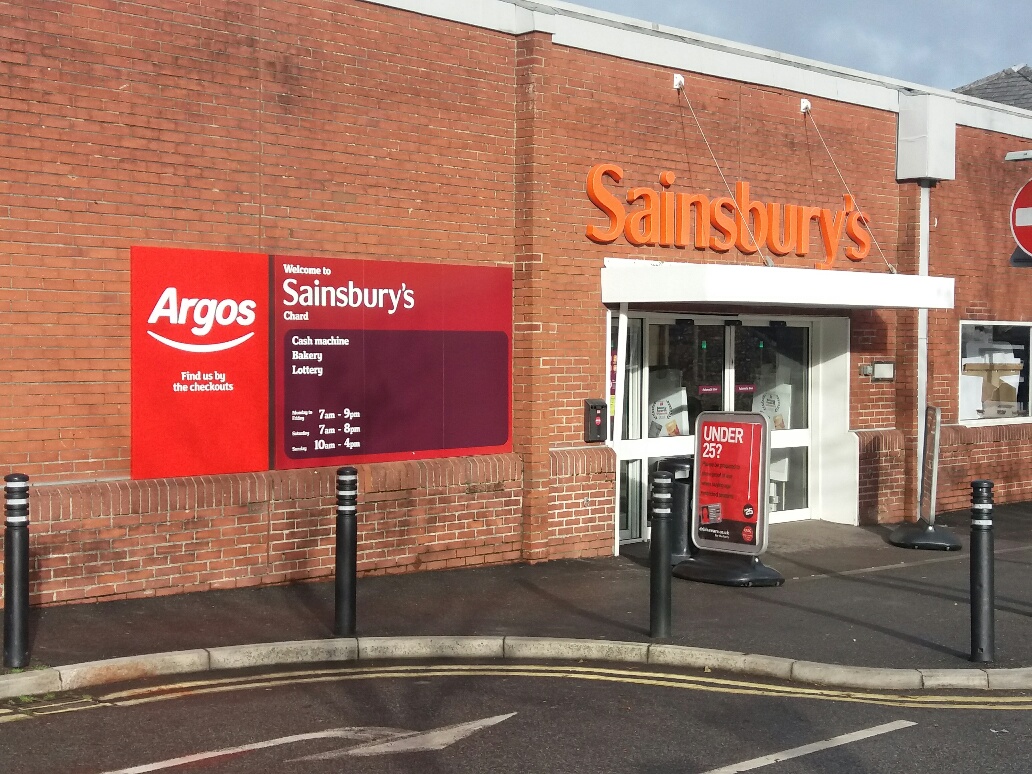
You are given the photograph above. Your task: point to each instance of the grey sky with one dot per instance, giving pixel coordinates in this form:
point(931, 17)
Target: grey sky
point(941, 43)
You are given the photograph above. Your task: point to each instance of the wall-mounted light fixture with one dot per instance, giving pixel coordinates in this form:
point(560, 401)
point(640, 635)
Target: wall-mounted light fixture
point(879, 370)
point(883, 371)
point(1019, 156)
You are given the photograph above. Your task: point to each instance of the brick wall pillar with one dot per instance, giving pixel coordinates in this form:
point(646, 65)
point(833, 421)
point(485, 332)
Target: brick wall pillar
point(534, 335)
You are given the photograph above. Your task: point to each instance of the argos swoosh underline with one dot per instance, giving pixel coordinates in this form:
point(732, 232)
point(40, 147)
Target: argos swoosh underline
point(201, 347)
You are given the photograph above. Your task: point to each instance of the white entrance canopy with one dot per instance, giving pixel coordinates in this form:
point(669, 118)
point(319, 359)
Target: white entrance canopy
point(634, 281)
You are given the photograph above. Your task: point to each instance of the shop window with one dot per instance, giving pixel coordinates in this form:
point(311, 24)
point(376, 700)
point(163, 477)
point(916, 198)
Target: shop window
point(686, 376)
point(771, 367)
point(994, 371)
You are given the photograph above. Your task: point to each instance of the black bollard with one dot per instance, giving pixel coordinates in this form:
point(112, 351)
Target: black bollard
point(16, 571)
point(983, 645)
point(659, 554)
point(345, 581)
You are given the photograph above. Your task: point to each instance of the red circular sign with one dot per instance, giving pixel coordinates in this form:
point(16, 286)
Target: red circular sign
point(1021, 218)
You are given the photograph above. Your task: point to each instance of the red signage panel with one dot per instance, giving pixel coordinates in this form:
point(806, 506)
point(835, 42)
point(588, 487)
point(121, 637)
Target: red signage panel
point(200, 362)
point(378, 360)
point(731, 481)
point(245, 362)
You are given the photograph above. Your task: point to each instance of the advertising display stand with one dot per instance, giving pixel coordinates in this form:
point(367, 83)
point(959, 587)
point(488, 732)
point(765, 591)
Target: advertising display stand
point(925, 533)
point(729, 513)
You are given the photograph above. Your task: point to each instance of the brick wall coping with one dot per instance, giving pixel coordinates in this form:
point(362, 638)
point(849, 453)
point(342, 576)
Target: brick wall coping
point(891, 439)
point(582, 461)
point(119, 498)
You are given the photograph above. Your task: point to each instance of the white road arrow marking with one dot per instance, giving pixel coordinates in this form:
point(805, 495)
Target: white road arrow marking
point(377, 740)
point(417, 741)
point(806, 749)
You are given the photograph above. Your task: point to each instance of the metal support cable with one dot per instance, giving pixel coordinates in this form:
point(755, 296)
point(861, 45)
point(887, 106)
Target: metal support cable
point(856, 202)
point(745, 218)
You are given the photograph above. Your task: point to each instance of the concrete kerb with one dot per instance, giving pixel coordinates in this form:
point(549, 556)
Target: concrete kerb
point(280, 653)
point(117, 670)
point(74, 676)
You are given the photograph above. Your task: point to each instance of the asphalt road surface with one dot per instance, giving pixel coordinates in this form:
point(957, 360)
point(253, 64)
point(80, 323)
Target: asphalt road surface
point(502, 717)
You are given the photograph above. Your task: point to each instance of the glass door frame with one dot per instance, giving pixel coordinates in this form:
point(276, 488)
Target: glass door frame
point(644, 449)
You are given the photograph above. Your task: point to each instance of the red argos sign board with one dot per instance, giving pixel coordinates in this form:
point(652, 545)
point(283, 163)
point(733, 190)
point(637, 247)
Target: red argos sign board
point(1021, 218)
point(286, 362)
point(200, 362)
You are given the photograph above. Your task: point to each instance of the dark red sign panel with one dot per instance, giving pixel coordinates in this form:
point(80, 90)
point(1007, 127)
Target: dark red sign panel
point(386, 361)
point(731, 480)
point(200, 362)
point(248, 362)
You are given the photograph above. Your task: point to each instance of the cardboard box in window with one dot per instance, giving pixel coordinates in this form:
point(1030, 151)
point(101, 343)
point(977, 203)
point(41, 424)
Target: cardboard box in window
point(994, 409)
point(999, 382)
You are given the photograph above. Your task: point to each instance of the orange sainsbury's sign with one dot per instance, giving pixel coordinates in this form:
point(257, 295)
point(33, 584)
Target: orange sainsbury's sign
point(668, 218)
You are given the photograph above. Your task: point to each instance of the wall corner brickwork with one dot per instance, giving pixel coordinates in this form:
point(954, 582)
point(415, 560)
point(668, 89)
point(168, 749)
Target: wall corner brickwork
point(882, 477)
point(581, 502)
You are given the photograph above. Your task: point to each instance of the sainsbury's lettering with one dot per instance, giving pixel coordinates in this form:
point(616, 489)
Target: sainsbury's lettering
point(668, 218)
point(349, 295)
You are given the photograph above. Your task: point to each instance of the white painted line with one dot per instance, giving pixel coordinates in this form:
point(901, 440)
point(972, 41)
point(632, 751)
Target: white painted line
point(339, 733)
point(436, 739)
point(806, 749)
point(1023, 216)
point(374, 741)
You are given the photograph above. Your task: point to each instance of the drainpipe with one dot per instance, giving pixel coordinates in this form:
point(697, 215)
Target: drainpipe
point(924, 234)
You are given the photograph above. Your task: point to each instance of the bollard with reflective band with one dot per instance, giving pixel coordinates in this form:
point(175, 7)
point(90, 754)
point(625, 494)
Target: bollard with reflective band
point(983, 636)
point(345, 580)
point(16, 571)
point(661, 501)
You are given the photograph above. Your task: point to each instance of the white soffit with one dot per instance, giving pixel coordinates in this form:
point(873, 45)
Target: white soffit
point(632, 281)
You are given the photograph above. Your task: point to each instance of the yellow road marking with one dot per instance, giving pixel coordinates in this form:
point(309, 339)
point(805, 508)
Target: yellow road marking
point(703, 683)
point(657, 679)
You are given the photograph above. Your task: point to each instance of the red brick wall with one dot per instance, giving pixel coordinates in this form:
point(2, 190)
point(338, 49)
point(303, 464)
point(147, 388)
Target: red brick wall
point(1001, 454)
point(125, 538)
point(882, 476)
point(346, 129)
point(624, 112)
point(874, 335)
point(971, 240)
point(320, 128)
point(338, 129)
point(581, 503)
point(166, 536)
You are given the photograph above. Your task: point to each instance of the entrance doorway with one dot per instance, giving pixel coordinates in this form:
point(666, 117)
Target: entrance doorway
point(667, 369)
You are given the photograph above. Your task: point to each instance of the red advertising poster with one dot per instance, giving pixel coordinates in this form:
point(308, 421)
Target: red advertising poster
point(731, 480)
point(200, 362)
point(377, 360)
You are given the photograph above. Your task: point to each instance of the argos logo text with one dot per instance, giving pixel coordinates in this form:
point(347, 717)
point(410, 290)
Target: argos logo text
point(201, 315)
